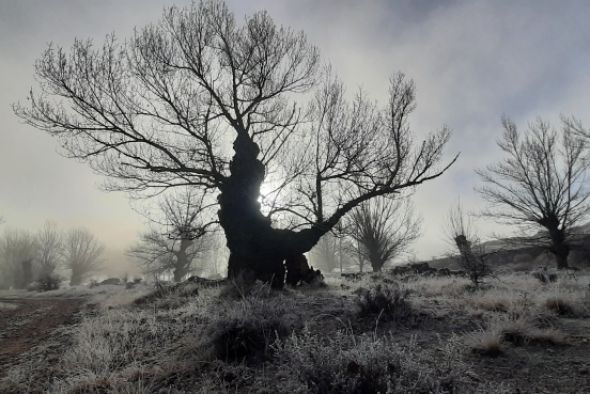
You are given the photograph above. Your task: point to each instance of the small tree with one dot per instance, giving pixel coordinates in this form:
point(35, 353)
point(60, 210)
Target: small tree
point(382, 229)
point(541, 183)
point(182, 239)
point(471, 253)
point(49, 251)
point(17, 255)
point(82, 254)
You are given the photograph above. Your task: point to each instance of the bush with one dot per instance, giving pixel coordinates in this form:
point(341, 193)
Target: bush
point(560, 306)
point(348, 364)
point(247, 329)
point(45, 283)
point(544, 276)
point(485, 343)
point(385, 300)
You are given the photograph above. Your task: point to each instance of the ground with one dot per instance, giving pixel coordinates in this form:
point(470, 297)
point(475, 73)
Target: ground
point(379, 334)
point(29, 322)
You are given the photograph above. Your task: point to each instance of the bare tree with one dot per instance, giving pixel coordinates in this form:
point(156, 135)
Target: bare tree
point(382, 229)
point(82, 254)
point(17, 255)
point(470, 249)
point(200, 99)
point(182, 239)
point(49, 250)
point(541, 183)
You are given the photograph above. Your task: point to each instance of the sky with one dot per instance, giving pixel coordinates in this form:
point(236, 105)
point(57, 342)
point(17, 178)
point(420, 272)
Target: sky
point(472, 61)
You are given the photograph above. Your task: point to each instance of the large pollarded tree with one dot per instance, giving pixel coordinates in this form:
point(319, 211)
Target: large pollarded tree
point(540, 183)
point(205, 100)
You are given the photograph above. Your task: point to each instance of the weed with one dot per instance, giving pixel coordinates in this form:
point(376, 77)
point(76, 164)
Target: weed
point(384, 300)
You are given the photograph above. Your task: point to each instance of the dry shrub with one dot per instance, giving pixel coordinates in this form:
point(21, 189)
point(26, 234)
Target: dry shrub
point(439, 287)
point(485, 343)
point(240, 288)
point(237, 340)
point(348, 364)
point(46, 283)
point(97, 386)
point(387, 301)
point(172, 296)
point(560, 306)
point(517, 332)
point(544, 277)
point(246, 329)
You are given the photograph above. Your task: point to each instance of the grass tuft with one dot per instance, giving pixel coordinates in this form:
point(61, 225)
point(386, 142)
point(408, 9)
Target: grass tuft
point(387, 301)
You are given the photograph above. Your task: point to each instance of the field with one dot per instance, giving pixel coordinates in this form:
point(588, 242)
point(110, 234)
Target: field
point(380, 334)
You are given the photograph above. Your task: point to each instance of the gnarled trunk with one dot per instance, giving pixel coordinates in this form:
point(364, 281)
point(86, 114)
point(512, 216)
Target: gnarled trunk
point(257, 251)
point(76, 278)
point(377, 265)
point(559, 247)
point(182, 265)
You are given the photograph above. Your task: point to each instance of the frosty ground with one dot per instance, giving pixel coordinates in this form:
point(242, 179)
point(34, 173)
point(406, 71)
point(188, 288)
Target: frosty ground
point(380, 334)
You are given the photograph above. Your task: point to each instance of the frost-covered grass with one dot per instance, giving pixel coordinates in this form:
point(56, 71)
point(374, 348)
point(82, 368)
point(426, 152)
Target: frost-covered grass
point(7, 306)
point(377, 335)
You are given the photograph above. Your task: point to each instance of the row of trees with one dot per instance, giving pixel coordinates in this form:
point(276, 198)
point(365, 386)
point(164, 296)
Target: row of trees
point(26, 257)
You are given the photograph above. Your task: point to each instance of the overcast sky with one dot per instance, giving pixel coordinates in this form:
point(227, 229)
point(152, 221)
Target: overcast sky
point(473, 61)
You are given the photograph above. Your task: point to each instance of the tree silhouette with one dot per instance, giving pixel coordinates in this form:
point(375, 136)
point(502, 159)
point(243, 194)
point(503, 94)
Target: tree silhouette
point(49, 249)
point(82, 254)
point(472, 255)
point(382, 229)
point(541, 183)
point(17, 255)
point(180, 240)
point(200, 99)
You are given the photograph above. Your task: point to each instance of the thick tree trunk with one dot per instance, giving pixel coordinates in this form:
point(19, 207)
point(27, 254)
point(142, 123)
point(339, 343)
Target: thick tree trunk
point(179, 274)
point(257, 251)
point(182, 261)
point(562, 260)
point(75, 279)
point(559, 248)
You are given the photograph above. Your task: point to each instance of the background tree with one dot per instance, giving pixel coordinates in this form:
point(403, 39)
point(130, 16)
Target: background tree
point(182, 239)
point(200, 99)
point(17, 254)
point(326, 253)
point(382, 229)
point(468, 246)
point(541, 183)
point(82, 254)
point(49, 250)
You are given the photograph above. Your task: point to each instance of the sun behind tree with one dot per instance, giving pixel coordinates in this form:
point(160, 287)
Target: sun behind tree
point(203, 100)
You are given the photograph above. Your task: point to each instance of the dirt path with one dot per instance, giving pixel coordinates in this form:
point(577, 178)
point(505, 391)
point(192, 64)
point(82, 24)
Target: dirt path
point(31, 323)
